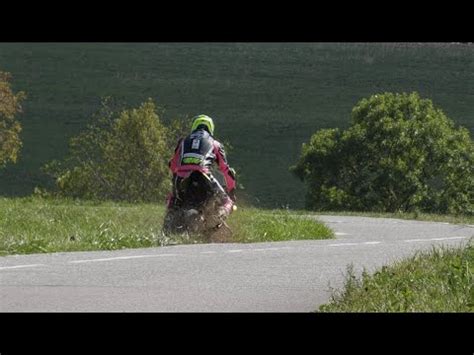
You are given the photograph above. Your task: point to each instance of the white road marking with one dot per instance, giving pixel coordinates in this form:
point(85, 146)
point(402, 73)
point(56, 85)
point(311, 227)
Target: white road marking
point(448, 238)
point(20, 266)
point(431, 239)
point(119, 258)
point(415, 240)
point(341, 233)
point(228, 251)
point(266, 249)
point(342, 244)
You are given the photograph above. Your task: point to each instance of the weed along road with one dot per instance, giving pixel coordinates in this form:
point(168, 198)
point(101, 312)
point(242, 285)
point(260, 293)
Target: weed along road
point(289, 276)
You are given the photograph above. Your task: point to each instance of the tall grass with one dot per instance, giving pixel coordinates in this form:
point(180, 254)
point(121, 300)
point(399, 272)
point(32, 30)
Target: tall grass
point(36, 225)
point(256, 225)
point(32, 225)
point(441, 280)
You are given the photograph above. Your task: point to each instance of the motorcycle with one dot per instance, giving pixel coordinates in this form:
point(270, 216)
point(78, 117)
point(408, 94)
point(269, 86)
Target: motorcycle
point(197, 209)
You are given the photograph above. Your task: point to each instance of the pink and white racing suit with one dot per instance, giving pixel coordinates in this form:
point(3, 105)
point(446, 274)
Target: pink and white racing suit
point(198, 152)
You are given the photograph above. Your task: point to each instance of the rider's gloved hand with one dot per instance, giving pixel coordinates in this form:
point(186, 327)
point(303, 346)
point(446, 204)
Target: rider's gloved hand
point(232, 195)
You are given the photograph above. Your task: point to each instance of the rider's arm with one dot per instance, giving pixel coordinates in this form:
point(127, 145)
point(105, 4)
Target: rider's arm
point(229, 174)
point(175, 160)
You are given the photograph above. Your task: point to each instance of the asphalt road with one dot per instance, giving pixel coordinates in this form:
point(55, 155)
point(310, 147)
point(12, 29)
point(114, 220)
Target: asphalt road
point(293, 276)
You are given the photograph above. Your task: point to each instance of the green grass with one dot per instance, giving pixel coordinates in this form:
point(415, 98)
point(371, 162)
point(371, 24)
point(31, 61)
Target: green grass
point(254, 225)
point(35, 225)
point(441, 280)
point(267, 98)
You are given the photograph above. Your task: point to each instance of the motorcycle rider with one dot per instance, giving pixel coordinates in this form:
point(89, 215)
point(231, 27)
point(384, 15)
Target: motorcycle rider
point(198, 152)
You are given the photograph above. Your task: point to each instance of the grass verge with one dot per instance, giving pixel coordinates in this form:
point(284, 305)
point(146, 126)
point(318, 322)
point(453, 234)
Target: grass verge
point(437, 281)
point(256, 225)
point(35, 225)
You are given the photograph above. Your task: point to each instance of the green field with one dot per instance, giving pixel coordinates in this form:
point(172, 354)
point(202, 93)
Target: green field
point(266, 98)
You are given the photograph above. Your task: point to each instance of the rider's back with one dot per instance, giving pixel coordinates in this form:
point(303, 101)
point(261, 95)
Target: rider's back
point(198, 148)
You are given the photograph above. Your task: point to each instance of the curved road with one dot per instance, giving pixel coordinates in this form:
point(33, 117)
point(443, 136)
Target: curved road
point(293, 276)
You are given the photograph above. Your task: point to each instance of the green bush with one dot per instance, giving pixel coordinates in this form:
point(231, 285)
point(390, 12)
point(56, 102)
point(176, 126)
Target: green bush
point(121, 157)
point(10, 128)
point(400, 154)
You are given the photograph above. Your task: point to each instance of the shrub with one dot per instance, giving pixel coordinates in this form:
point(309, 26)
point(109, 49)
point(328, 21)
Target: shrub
point(10, 128)
point(121, 157)
point(400, 154)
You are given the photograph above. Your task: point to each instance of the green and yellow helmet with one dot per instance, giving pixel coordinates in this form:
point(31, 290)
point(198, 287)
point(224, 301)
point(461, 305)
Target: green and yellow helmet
point(203, 120)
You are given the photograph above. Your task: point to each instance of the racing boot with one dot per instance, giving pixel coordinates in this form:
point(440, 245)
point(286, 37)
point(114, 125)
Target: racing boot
point(226, 209)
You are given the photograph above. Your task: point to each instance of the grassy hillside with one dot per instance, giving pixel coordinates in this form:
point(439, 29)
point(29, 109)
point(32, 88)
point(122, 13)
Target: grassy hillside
point(267, 99)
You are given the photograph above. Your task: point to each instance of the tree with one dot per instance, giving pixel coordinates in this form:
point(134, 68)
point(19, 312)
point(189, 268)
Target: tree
point(120, 156)
point(10, 128)
point(399, 154)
